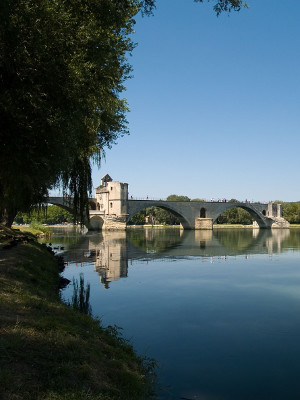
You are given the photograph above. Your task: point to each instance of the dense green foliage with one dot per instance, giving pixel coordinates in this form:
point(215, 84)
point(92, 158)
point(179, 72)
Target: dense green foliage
point(50, 216)
point(62, 67)
point(291, 211)
point(235, 215)
point(175, 197)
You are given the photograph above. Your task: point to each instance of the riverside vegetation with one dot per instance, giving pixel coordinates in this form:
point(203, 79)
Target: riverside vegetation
point(51, 351)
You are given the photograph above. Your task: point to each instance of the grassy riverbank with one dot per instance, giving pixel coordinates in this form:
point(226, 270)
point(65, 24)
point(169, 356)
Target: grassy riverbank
point(34, 229)
point(230, 226)
point(48, 350)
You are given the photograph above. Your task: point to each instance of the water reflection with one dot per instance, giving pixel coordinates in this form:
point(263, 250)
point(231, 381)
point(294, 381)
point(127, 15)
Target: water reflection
point(110, 257)
point(111, 251)
point(107, 251)
point(219, 311)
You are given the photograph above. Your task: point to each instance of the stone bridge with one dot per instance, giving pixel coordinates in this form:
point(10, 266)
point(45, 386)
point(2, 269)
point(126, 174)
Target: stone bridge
point(191, 214)
point(112, 210)
point(202, 215)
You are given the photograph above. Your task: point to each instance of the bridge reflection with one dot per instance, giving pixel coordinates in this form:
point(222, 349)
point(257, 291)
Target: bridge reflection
point(110, 252)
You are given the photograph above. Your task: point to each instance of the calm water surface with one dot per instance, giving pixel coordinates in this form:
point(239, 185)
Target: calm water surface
point(219, 311)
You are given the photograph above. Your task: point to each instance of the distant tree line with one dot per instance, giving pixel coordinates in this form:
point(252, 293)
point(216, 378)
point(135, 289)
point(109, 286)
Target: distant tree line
point(50, 215)
point(291, 211)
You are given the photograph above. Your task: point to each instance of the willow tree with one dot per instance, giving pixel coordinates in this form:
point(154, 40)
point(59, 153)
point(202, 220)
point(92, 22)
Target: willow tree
point(63, 64)
point(62, 67)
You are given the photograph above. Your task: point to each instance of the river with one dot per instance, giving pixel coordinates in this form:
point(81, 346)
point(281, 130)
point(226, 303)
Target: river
point(219, 311)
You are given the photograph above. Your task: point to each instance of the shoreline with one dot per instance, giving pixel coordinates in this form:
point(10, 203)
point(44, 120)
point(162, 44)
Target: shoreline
point(215, 226)
point(51, 350)
point(35, 231)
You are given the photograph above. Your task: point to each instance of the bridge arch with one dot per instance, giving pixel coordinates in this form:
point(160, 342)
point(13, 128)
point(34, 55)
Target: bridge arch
point(67, 203)
point(94, 223)
point(63, 203)
point(135, 206)
point(258, 216)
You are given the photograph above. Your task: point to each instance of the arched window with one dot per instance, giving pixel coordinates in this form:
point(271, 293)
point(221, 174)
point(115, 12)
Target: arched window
point(202, 213)
point(264, 212)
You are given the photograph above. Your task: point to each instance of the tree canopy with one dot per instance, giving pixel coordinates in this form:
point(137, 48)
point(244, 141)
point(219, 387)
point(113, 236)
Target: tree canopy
point(176, 197)
point(62, 68)
point(63, 65)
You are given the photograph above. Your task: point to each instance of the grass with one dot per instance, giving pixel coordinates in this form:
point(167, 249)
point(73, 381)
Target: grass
point(34, 228)
point(225, 226)
point(49, 351)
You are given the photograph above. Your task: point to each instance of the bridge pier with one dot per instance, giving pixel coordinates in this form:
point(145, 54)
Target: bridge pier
point(276, 223)
point(204, 224)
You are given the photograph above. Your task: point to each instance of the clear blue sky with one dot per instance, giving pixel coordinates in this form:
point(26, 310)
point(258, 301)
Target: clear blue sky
point(214, 104)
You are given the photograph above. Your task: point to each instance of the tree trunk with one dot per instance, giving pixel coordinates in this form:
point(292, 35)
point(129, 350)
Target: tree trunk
point(7, 217)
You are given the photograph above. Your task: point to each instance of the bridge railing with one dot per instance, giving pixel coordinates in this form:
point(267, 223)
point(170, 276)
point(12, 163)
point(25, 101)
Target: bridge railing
point(146, 198)
point(212, 200)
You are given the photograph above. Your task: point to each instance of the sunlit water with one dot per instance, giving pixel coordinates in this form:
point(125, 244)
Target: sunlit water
point(219, 311)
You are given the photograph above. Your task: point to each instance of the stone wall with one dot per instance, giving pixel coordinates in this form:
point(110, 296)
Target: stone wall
point(114, 223)
point(280, 223)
